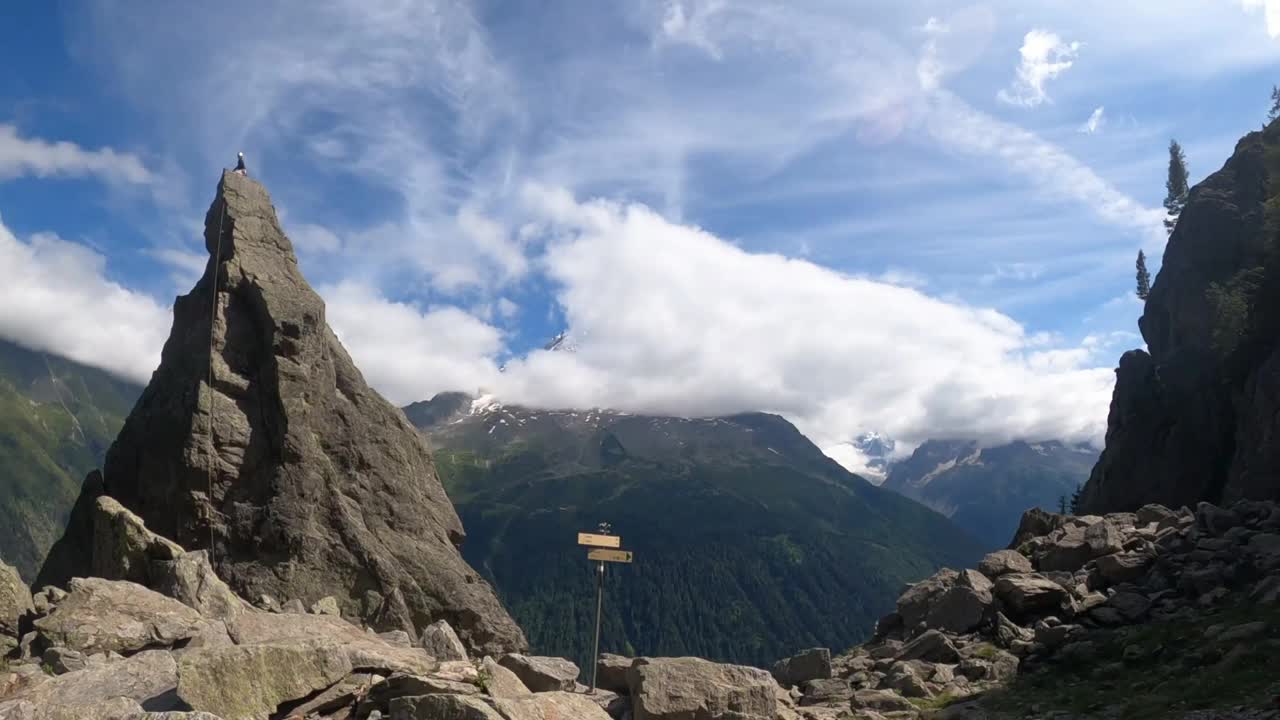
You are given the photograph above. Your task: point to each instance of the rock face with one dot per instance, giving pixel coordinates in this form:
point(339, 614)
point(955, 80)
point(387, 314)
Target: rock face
point(15, 601)
point(116, 616)
point(679, 688)
point(1197, 418)
point(319, 485)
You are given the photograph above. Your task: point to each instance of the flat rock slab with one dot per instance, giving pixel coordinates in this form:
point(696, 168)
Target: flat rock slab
point(365, 651)
point(1003, 562)
point(551, 706)
point(250, 682)
point(500, 682)
point(443, 707)
point(542, 674)
point(442, 643)
point(1029, 593)
point(116, 616)
point(146, 678)
point(682, 688)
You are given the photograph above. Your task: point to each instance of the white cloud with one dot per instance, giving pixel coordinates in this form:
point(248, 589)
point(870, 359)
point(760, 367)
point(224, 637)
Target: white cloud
point(671, 319)
point(22, 156)
point(408, 353)
point(1044, 57)
point(56, 298)
point(1271, 14)
point(1095, 121)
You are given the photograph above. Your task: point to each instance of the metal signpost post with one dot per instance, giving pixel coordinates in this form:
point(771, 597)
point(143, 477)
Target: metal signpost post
point(600, 542)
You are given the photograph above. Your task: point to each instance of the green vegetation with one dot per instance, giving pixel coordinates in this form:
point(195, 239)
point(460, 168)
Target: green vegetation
point(57, 419)
point(749, 543)
point(937, 702)
point(1170, 668)
point(1144, 277)
point(1176, 185)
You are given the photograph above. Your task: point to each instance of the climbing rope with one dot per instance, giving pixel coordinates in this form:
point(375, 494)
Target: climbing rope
point(213, 319)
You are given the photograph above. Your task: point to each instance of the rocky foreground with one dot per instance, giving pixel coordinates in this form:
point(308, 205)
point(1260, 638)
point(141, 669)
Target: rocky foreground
point(1154, 614)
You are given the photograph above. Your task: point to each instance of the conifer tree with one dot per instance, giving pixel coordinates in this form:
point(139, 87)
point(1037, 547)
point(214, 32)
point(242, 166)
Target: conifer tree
point(1144, 277)
point(1075, 499)
point(1176, 199)
point(1275, 104)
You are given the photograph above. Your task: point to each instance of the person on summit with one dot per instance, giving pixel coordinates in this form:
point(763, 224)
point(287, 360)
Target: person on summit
point(240, 164)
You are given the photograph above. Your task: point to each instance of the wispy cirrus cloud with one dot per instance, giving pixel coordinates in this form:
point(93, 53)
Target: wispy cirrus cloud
point(1095, 121)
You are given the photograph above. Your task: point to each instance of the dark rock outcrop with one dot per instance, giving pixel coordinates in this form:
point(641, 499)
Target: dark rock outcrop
point(319, 486)
point(1195, 417)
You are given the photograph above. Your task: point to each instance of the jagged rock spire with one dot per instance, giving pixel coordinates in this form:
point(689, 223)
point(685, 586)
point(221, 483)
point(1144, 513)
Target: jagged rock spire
point(319, 486)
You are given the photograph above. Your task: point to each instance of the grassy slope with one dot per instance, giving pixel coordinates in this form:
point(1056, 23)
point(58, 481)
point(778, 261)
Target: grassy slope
point(57, 419)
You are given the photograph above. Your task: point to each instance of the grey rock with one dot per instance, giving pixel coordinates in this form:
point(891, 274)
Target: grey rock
point(47, 599)
point(397, 638)
point(381, 693)
point(147, 678)
point(443, 707)
point(15, 600)
point(812, 664)
point(117, 616)
point(1214, 519)
point(1030, 594)
point(327, 605)
point(611, 672)
point(250, 682)
point(1153, 513)
point(1123, 567)
point(190, 579)
point(313, 470)
point(501, 682)
point(1003, 562)
point(1265, 549)
point(63, 660)
point(1007, 633)
point(1103, 538)
point(1036, 523)
point(679, 688)
point(1131, 606)
point(880, 700)
point(554, 704)
point(1069, 551)
point(364, 652)
point(541, 674)
point(1266, 591)
point(1244, 633)
point(915, 603)
point(294, 607)
point(116, 708)
point(123, 547)
point(960, 609)
point(828, 691)
point(932, 646)
point(442, 643)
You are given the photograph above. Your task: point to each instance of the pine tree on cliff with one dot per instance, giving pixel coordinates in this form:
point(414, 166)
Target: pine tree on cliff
point(1176, 185)
point(1275, 104)
point(1144, 277)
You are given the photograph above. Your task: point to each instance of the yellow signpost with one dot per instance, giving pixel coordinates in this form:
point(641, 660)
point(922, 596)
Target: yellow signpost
point(622, 556)
point(600, 551)
point(604, 541)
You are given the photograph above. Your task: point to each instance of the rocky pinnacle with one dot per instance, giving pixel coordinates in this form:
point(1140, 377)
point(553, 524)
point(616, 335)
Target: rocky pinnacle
point(319, 485)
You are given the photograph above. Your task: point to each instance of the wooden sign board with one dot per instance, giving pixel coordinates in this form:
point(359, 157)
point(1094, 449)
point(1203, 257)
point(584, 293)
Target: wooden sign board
point(622, 556)
point(594, 540)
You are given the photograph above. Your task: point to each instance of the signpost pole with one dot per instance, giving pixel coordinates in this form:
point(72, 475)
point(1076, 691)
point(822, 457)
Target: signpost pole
point(595, 651)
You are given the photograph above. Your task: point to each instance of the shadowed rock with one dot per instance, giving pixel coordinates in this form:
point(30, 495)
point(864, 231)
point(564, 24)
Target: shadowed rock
point(319, 485)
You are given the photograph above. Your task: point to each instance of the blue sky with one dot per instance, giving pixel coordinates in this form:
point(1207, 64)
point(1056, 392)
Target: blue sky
point(866, 216)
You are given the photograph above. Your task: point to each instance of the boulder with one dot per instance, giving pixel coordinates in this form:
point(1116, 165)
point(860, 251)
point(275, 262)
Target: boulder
point(932, 646)
point(190, 579)
point(383, 691)
point(1028, 594)
point(501, 682)
point(327, 605)
point(1265, 549)
point(1158, 514)
point(442, 643)
point(1214, 519)
point(1131, 606)
point(914, 604)
point(812, 664)
point(147, 678)
point(611, 672)
point(1103, 538)
point(116, 708)
point(1003, 562)
point(550, 706)
point(1036, 523)
point(117, 616)
point(542, 674)
point(1007, 633)
point(15, 600)
point(963, 607)
point(681, 688)
point(881, 701)
point(123, 547)
point(364, 651)
point(1067, 551)
point(250, 682)
point(1123, 567)
point(443, 707)
point(319, 483)
point(828, 691)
